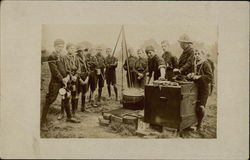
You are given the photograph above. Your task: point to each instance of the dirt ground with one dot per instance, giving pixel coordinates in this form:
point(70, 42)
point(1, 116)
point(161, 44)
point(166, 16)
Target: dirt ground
point(89, 126)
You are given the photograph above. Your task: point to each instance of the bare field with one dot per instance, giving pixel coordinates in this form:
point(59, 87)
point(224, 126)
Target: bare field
point(89, 126)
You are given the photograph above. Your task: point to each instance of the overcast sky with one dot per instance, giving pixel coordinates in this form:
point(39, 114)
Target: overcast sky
point(135, 34)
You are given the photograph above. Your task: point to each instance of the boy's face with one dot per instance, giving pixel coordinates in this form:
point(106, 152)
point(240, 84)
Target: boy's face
point(71, 49)
point(59, 48)
point(131, 52)
point(139, 53)
point(165, 47)
point(197, 55)
point(150, 54)
point(108, 52)
point(99, 50)
point(184, 45)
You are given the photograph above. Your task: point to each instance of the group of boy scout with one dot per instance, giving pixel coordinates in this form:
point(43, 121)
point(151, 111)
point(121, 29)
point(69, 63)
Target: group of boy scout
point(88, 68)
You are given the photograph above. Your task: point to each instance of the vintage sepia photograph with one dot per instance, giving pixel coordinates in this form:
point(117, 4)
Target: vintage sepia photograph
point(128, 81)
point(124, 80)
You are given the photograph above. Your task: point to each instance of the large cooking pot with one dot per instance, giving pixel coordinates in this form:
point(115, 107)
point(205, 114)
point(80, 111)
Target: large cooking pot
point(133, 99)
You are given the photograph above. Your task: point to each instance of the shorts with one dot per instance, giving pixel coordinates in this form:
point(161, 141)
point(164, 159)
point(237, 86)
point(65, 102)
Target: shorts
point(92, 83)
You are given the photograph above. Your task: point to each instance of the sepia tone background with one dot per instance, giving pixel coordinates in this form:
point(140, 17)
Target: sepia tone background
point(21, 27)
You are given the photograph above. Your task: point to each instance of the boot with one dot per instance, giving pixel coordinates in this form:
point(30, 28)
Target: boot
point(73, 120)
point(61, 115)
point(116, 93)
point(74, 103)
point(99, 94)
point(109, 90)
point(44, 114)
point(200, 116)
point(83, 103)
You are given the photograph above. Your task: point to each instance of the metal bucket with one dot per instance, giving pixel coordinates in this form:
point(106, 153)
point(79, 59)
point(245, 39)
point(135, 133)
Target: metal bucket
point(133, 99)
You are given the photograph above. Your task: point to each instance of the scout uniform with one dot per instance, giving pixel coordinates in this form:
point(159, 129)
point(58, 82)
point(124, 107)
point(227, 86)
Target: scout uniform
point(110, 73)
point(58, 72)
point(100, 76)
point(205, 72)
point(154, 64)
point(211, 63)
point(83, 88)
point(171, 63)
point(141, 67)
point(72, 67)
point(185, 63)
point(92, 65)
point(131, 63)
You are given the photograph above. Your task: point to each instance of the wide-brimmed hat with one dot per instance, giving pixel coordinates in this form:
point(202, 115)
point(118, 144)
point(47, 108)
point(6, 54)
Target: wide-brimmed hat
point(185, 38)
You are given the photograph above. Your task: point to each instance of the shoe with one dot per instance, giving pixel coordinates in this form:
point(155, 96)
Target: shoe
point(61, 116)
point(109, 98)
point(189, 129)
point(116, 99)
point(73, 120)
point(83, 109)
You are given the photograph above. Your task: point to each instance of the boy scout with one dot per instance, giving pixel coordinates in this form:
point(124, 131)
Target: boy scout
point(129, 67)
point(83, 77)
point(141, 68)
point(110, 74)
point(58, 77)
point(170, 60)
point(185, 64)
point(202, 78)
point(213, 68)
point(156, 64)
point(100, 71)
point(72, 67)
point(92, 65)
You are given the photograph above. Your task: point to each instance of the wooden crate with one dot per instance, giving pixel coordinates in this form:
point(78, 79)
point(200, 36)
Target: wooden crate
point(171, 106)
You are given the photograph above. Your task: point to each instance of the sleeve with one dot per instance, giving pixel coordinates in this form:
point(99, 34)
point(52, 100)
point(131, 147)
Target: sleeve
point(54, 69)
point(116, 63)
point(160, 62)
point(174, 62)
point(125, 65)
point(146, 67)
point(189, 62)
point(78, 64)
point(150, 70)
point(207, 74)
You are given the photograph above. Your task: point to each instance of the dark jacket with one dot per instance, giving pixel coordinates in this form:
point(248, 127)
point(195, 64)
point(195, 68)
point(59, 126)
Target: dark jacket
point(154, 65)
point(91, 62)
point(131, 63)
point(57, 69)
point(141, 66)
point(170, 60)
point(205, 71)
point(111, 64)
point(186, 61)
point(83, 65)
point(101, 61)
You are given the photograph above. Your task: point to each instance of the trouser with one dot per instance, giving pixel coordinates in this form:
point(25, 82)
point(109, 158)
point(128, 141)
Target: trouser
point(50, 98)
point(115, 89)
point(100, 80)
point(131, 79)
point(83, 89)
point(203, 92)
point(140, 83)
point(74, 104)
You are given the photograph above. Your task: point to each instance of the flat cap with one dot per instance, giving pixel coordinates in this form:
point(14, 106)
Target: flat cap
point(149, 48)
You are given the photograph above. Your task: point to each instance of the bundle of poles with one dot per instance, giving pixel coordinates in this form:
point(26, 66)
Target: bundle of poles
point(124, 49)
